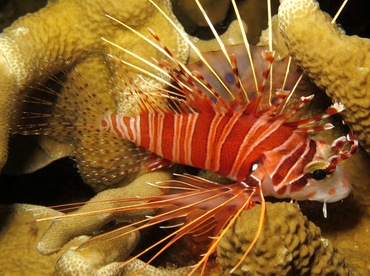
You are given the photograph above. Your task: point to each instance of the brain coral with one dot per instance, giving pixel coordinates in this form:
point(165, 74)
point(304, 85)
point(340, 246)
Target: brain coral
point(298, 247)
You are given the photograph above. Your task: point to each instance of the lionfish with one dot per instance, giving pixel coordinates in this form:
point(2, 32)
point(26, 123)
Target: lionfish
point(213, 122)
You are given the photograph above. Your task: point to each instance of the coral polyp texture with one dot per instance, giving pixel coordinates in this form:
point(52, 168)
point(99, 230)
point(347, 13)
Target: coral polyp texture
point(337, 63)
point(18, 252)
point(299, 248)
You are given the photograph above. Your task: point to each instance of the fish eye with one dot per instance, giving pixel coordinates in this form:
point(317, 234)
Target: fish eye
point(319, 174)
point(317, 171)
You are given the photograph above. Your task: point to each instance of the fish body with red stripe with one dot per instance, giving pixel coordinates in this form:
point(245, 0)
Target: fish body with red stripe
point(241, 143)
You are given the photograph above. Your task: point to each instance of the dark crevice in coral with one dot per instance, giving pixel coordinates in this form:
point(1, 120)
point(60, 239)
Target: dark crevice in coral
point(55, 184)
point(10, 10)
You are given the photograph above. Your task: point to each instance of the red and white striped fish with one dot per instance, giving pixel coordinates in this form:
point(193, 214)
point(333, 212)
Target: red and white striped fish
point(212, 121)
point(230, 131)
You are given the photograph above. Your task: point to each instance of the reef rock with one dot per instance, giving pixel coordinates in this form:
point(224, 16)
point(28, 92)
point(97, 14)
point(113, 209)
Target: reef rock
point(289, 244)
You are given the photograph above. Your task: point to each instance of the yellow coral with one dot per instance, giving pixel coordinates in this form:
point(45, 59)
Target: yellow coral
point(90, 259)
point(29, 44)
point(64, 230)
point(334, 61)
point(18, 252)
point(288, 245)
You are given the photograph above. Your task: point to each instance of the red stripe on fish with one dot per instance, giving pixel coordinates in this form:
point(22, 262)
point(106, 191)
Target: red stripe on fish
point(232, 145)
point(288, 162)
point(169, 122)
point(203, 144)
point(144, 128)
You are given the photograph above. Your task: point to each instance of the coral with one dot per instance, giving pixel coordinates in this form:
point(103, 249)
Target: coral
point(18, 252)
point(74, 263)
point(30, 48)
point(334, 61)
point(104, 254)
point(88, 259)
point(64, 230)
point(298, 247)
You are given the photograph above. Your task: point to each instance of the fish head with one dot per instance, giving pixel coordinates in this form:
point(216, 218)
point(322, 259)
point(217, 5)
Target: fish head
point(323, 186)
point(327, 181)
